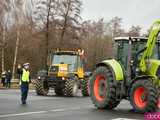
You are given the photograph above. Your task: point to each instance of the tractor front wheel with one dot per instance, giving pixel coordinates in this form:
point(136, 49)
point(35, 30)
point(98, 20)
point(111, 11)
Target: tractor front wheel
point(41, 87)
point(71, 88)
point(103, 89)
point(144, 96)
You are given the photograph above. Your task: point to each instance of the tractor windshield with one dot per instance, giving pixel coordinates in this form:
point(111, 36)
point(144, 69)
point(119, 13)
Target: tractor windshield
point(71, 60)
point(122, 48)
point(140, 45)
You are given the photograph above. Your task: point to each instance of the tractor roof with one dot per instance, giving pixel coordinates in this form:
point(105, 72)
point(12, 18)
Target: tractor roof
point(134, 39)
point(66, 53)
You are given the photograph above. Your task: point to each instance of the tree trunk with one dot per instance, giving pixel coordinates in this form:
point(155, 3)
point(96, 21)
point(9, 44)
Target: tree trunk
point(3, 47)
point(64, 24)
point(47, 34)
point(16, 53)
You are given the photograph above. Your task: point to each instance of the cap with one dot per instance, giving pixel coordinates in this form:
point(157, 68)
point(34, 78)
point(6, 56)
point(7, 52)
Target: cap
point(26, 64)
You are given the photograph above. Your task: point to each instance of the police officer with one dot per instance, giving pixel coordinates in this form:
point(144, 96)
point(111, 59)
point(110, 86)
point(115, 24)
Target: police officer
point(24, 82)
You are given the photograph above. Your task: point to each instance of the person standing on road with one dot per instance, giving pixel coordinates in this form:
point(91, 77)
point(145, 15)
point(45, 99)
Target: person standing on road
point(19, 69)
point(24, 82)
point(8, 79)
point(3, 78)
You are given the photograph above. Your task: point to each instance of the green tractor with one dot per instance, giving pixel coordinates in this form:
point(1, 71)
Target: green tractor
point(133, 75)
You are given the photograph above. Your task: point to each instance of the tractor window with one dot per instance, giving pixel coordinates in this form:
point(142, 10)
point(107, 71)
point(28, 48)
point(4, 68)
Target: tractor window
point(122, 52)
point(71, 60)
point(80, 62)
point(156, 51)
point(137, 46)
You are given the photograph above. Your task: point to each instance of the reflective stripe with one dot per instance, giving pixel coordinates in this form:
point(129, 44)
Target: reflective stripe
point(25, 76)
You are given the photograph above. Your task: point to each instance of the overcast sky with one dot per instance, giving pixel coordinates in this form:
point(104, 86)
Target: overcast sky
point(133, 12)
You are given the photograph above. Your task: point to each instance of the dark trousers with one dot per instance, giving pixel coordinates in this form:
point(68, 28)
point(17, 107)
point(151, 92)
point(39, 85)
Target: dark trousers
point(24, 91)
point(8, 84)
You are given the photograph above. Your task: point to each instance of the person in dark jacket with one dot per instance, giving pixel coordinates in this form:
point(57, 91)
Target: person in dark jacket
point(19, 71)
point(8, 79)
point(3, 78)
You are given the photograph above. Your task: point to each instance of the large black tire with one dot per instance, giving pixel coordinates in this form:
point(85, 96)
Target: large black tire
point(144, 96)
point(158, 101)
point(71, 88)
point(41, 87)
point(59, 92)
point(103, 89)
point(85, 87)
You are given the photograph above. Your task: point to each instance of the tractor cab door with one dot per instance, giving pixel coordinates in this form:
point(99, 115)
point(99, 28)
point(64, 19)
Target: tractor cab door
point(122, 52)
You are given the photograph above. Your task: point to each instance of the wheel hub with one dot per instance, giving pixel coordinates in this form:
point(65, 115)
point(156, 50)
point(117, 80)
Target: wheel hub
point(140, 97)
point(143, 97)
point(102, 88)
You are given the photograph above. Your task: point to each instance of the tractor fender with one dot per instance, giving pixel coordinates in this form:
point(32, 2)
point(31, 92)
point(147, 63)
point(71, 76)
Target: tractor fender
point(115, 66)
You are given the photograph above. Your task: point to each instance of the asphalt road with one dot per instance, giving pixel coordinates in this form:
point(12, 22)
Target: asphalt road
point(58, 108)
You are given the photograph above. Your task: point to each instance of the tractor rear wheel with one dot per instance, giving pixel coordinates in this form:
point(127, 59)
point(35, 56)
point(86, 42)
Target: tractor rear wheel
point(41, 87)
point(71, 88)
point(85, 87)
point(158, 101)
point(103, 89)
point(144, 96)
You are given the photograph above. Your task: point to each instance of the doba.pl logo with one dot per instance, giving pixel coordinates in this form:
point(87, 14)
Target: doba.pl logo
point(152, 116)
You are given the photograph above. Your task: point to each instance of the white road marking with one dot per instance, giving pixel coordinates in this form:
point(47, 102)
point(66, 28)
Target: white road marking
point(124, 119)
point(40, 112)
point(21, 114)
point(58, 110)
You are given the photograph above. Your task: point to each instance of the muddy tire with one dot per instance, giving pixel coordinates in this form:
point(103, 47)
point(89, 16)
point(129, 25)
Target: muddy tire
point(85, 87)
point(144, 96)
point(71, 88)
point(41, 87)
point(103, 89)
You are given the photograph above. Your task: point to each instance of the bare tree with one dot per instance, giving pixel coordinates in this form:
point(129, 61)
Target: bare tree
point(4, 16)
point(17, 12)
point(115, 27)
point(134, 31)
point(45, 14)
point(70, 15)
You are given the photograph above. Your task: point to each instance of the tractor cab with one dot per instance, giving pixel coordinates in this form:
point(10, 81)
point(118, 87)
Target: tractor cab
point(137, 44)
point(66, 62)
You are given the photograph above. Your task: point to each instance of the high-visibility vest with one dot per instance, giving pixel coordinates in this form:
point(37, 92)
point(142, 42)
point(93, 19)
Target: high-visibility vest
point(25, 76)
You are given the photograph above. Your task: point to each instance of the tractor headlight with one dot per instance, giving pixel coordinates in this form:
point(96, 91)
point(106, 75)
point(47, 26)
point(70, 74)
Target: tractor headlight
point(137, 69)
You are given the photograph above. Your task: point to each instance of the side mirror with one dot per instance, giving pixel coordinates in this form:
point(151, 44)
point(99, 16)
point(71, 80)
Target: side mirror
point(87, 74)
